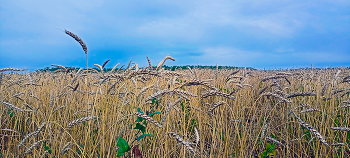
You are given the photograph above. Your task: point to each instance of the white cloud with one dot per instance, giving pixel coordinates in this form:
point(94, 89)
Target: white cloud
point(229, 56)
point(195, 23)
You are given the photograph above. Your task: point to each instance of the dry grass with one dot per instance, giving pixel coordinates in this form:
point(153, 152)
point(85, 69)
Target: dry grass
point(218, 113)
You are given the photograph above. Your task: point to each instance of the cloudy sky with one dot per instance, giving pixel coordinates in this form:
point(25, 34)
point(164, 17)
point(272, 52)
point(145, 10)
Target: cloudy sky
point(259, 34)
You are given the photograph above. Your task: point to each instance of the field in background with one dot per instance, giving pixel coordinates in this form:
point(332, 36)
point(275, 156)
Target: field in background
point(152, 112)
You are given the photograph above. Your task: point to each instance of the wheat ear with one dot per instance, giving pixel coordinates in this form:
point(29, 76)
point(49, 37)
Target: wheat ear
point(99, 67)
point(274, 140)
point(149, 63)
point(340, 129)
point(14, 107)
point(197, 135)
point(161, 92)
point(179, 139)
point(163, 61)
point(80, 120)
point(114, 67)
point(11, 69)
point(81, 42)
point(296, 94)
point(311, 129)
point(310, 110)
point(33, 146)
point(36, 132)
point(104, 64)
point(167, 111)
point(66, 147)
point(149, 119)
point(269, 94)
point(217, 104)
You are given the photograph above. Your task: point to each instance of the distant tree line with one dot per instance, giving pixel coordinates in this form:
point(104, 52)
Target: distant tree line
point(172, 68)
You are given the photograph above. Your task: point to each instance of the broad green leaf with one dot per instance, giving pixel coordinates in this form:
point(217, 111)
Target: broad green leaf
point(144, 135)
point(140, 127)
point(123, 145)
point(120, 152)
point(139, 119)
point(153, 113)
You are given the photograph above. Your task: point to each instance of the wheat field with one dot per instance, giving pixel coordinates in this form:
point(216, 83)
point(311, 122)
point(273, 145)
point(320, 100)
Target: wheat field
point(153, 112)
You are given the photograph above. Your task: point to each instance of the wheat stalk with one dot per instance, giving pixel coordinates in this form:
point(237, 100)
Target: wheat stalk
point(209, 93)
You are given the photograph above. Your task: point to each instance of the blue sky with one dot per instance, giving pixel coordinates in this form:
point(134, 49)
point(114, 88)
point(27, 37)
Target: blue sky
point(259, 34)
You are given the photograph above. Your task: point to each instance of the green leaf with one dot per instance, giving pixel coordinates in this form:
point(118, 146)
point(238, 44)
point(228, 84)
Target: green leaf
point(336, 122)
point(273, 152)
point(140, 127)
point(268, 146)
point(120, 152)
point(139, 110)
point(153, 113)
point(155, 101)
point(139, 119)
point(144, 135)
point(123, 146)
point(263, 154)
point(273, 136)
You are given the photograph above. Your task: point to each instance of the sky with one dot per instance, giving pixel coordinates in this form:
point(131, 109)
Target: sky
point(259, 34)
